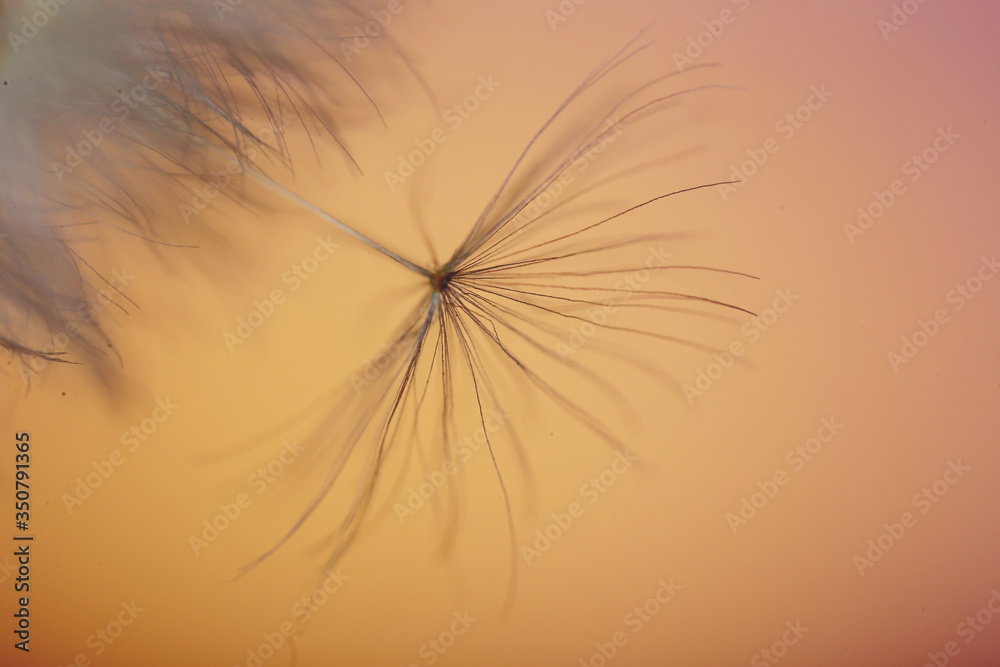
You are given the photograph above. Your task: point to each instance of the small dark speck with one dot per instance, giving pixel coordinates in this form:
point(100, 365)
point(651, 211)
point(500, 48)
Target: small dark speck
point(64, 393)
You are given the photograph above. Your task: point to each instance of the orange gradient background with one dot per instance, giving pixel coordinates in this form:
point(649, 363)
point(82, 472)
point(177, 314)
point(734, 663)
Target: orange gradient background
point(739, 586)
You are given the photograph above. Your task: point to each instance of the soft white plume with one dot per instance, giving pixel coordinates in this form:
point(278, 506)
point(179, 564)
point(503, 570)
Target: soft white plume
point(108, 107)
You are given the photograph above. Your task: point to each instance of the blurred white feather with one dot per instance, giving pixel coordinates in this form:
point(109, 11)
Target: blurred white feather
point(109, 106)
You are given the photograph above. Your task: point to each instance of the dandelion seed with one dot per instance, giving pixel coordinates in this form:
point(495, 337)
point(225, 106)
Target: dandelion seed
point(501, 300)
point(113, 107)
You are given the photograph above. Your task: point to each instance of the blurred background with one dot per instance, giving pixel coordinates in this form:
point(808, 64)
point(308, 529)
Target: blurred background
point(819, 490)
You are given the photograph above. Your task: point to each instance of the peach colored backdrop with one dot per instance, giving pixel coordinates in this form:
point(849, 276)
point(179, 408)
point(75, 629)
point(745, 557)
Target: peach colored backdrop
point(829, 498)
